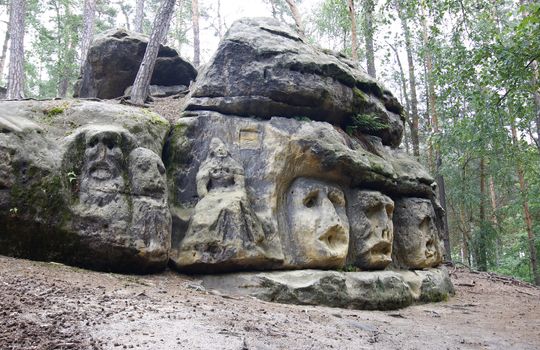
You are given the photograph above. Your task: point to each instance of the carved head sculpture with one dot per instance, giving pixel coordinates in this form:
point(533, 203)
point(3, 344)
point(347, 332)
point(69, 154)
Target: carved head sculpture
point(416, 237)
point(372, 230)
point(103, 160)
point(317, 223)
point(103, 156)
point(219, 170)
point(147, 173)
point(96, 153)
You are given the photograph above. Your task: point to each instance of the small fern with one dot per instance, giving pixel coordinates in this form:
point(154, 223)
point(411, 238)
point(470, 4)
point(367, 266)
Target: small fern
point(366, 122)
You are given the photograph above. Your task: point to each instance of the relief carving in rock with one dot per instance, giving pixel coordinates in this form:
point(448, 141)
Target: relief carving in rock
point(372, 229)
point(416, 237)
point(317, 228)
point(119, 194)
point(223, 230)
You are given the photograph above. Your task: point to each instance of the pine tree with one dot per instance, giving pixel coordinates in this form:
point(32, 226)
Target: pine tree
point(139, 92)
point(15, 88)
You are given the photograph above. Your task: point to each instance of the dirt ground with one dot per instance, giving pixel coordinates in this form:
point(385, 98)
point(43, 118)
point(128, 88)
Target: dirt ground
point(52, 306)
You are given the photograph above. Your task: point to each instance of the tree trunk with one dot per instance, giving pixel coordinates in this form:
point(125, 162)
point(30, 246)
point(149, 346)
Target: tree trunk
point(403, 84)
point(89, 20)
point(412, 81)
point(220, 21)
point(297, 18)
point(69, 57)
point(196, 39)
point(139, 16)
point(369, 9)
point(15, 89)
point(536, 93)
point(4, 52)
point(125, 12)
point(434, 123)
point(526, 212)
point(354, 39)
point(481, 252)
point(139, 92)
point(493, 197)
point(442, 198)
point(494, 217)
point(465, 237)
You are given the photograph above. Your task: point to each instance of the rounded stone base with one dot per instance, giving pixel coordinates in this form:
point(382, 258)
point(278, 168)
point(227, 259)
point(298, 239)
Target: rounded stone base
point(369, 290)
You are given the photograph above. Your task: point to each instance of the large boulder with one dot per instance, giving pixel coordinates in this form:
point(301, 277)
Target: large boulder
point(262, 68)
point(83, 183)
point(113, 62)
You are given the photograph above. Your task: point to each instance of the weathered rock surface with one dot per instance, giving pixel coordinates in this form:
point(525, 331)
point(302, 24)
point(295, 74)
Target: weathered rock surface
point(162, 91)
point(284, 159)
point(302, 181)
point(417, 243)
point(374, 290)
point(114, 59)
point(82, 183)
point(372, 231)
point(263, 68)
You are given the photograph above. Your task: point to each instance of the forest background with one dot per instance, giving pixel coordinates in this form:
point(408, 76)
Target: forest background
point(466, 72)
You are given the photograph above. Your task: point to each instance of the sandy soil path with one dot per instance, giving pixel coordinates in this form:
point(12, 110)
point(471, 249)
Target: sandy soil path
point(52, 306)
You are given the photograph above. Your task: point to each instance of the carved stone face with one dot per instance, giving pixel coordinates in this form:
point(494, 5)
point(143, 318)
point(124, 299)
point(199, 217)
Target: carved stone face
point(318, 222)
point(218, 148)
point(147, 173)
point(416, 241)
point(372, 230)
point(103, 156)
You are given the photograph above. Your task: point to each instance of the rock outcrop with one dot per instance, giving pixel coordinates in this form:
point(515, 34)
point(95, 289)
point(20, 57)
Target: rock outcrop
point(113, 62)
point(263, 69)
point(376, 290)
point(284, 158)
point(83, 183)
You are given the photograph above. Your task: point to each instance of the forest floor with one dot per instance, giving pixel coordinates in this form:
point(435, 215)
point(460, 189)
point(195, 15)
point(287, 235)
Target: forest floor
point(53, 306)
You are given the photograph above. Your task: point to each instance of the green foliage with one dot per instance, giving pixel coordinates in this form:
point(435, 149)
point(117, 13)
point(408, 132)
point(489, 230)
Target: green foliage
point(366, 122)
point(331, 20)
point(302, 118)
point(56, 110)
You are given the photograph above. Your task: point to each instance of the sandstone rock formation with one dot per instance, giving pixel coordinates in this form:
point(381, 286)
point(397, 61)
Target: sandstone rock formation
point(262, 69)
point(82, 183)
point(113, 62)
point(285, 158)
point(416, 242)
point(375, 290)
point(372, 230)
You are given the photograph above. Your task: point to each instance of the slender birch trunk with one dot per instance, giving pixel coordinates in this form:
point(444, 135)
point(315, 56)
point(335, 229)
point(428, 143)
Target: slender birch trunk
point(354, 39)
point(297, 18)
point(196, 38)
